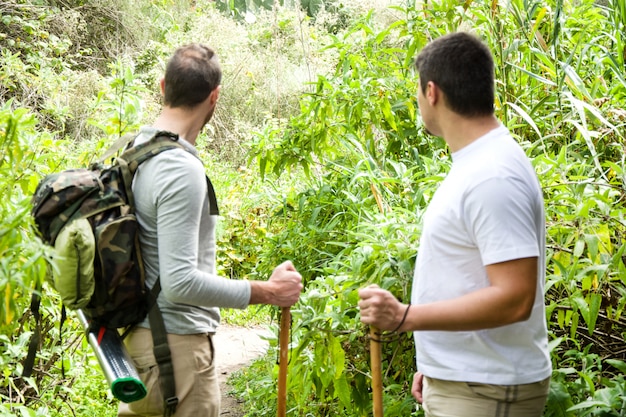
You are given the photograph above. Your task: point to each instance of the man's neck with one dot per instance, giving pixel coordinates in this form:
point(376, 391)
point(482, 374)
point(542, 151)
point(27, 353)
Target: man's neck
point(187, 124)
point(460, 131)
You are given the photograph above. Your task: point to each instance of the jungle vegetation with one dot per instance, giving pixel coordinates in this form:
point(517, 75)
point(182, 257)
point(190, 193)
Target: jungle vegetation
point(318, 156)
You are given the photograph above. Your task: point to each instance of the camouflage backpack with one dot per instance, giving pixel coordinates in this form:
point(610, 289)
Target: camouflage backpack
point(88, 215)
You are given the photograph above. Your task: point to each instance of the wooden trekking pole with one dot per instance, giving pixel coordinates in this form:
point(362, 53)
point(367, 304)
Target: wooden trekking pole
point(377, 377)
point(283, 342)
point(376, 356)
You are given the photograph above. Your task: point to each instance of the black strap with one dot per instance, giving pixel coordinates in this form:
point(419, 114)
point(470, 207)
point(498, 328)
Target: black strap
point(61, 322)
point(213, 208)
point(130, 160)
point(35, 340)
point(162, 353)
point(29, 362)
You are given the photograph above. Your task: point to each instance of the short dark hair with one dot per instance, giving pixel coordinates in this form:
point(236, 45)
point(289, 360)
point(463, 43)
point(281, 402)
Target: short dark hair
point(191, 75)
point(461, 65)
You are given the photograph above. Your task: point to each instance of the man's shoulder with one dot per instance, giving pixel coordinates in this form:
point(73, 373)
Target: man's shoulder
point(172, 164)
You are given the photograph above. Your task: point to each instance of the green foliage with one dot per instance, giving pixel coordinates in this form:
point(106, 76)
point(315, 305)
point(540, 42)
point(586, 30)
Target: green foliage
point(53, 53)
point(24, 268)
point(240, 9)
point(580, 387)
point(119, 108)
point(366, 108)
point(360, 170)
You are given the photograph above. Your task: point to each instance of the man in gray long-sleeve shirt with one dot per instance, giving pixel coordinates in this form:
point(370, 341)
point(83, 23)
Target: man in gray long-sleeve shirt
point(178, 245)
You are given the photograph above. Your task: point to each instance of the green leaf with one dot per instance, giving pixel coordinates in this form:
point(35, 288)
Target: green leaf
point(579, 248)
point(343, 392)
point(592, 242)
point(620, 365)
point(553, 344)
point(559, 400)
point(338, 356)
point(595, 302)
point(586, 405)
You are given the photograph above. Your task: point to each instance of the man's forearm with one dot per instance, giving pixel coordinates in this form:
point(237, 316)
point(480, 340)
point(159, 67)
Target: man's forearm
point(259, 293)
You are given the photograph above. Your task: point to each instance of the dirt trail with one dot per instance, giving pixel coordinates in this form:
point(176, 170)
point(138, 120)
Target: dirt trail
point(235, 348)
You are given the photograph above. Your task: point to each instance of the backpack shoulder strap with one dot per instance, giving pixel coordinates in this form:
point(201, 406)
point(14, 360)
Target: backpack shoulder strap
point(213, 208)
point(136, 155)
point(130, 160)
point(29, 362)
point(162, 353)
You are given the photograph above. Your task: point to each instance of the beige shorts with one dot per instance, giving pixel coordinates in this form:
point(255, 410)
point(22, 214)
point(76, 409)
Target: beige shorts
point(197, 386)
point(463, 399)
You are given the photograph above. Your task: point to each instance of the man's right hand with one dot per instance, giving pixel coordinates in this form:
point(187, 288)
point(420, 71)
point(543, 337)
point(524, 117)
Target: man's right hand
point(418, 386)
point(282, 289)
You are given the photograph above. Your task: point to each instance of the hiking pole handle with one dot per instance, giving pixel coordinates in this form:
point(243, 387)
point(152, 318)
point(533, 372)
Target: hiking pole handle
point(283, 341)
point(376, 363)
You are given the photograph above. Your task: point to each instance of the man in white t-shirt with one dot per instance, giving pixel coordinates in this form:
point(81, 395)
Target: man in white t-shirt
point(477, 306)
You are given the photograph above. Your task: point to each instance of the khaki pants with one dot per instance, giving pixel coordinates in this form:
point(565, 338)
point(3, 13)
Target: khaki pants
point(462, 399)
point(197, 386)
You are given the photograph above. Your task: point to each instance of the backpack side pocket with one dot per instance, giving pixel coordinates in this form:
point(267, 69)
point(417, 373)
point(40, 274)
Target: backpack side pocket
point(73, 274)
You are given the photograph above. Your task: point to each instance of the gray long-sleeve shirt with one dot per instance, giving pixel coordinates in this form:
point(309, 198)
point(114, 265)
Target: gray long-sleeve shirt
point(177, 236)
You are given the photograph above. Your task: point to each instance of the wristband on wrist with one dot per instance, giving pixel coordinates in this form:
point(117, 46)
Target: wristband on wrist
point(406, 313)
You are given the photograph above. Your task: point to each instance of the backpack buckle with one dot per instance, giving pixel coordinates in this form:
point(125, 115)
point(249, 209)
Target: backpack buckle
point(170, 406)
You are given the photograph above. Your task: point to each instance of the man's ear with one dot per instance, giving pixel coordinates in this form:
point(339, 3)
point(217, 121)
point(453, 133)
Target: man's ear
point(432, 93)
point(215, 94)
point(162, 85)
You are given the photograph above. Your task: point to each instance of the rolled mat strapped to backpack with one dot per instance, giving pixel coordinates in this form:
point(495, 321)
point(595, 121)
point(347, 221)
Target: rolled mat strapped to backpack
point(115, 362)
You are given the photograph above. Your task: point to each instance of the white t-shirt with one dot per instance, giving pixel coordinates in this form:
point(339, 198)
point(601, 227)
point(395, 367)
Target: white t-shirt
point(489, 209)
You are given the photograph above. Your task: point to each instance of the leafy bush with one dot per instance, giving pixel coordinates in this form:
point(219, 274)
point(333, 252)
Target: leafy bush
point(24, 267)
